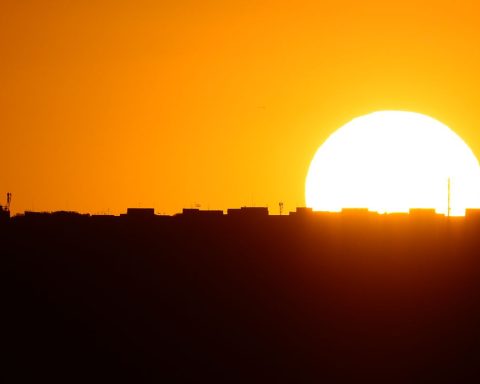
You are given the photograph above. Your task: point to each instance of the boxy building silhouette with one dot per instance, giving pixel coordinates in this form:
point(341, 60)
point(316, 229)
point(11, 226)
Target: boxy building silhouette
point(139, 212)
point(251, 212)
point(197, 213)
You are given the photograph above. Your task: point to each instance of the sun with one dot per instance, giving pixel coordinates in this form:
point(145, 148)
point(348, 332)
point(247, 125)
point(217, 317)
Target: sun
point(392, 161)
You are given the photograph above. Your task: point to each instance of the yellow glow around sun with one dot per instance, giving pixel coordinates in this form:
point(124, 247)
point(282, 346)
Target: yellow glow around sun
point(392, 161)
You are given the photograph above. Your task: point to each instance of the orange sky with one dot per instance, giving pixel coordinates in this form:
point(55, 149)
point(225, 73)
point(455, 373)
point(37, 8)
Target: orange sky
point(108, 104)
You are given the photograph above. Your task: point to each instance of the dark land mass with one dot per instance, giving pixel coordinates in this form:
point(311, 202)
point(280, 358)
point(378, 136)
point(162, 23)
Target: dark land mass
point(244, 297)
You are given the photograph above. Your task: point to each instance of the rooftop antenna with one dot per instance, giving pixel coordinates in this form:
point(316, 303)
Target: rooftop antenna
point(449, 196)
point(280, 206)
point(9, 200)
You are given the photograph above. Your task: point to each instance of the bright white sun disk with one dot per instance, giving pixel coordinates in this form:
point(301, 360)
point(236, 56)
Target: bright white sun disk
point(392, 161)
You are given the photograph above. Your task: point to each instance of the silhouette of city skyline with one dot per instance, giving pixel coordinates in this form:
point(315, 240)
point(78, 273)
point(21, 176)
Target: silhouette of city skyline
point(253, 212)
point(302, 297)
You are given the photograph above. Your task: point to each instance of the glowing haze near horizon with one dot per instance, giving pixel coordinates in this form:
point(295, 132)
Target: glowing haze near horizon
point(391, 161)
point(112, 104)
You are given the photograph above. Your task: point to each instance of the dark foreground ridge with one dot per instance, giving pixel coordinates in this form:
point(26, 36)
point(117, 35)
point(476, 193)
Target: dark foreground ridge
point(242, 297)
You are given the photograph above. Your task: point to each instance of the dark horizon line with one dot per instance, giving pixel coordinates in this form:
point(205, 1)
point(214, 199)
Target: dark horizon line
point(247, 211)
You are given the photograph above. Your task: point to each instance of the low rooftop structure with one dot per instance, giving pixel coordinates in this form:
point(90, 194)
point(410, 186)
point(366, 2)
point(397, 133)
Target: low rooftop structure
point(139, 212)
point(302, 211)
point(356, 211)
point(195, 212)
point(422, 212)
point(4, 214)
point(472, 213)
point(248, 212)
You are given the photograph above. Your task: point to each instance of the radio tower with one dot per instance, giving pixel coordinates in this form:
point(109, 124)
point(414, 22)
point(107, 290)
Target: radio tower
point(9, 200)
point(5, 211)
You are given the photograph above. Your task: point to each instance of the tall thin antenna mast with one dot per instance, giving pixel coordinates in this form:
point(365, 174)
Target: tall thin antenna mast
point(449, 196)
point(9, 200)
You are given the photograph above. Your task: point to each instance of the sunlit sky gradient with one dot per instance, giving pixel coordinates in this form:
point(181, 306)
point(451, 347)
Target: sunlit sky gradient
point(108, 104)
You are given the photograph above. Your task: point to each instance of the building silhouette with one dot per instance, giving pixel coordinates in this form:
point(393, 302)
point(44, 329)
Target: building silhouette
point(305, 297)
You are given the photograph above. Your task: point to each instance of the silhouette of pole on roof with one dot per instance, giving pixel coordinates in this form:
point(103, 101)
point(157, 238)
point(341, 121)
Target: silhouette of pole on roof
point(9, 200)
point(280, 206)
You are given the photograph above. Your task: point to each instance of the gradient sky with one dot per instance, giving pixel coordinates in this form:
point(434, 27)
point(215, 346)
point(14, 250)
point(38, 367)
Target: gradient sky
point(108, 104)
